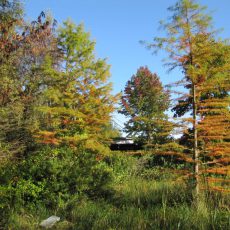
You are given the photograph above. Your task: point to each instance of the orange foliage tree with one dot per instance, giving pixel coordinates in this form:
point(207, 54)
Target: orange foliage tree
point(77, 102)
point(144, 102)
point(191, 46)
point(214, 124)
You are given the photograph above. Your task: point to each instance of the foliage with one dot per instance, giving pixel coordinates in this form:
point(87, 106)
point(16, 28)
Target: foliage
point(213, 127)
point(109, 132)
point(23, 46)
point(55, 126)
point(11, 16)
point(52, 176)
point(77, 100)
point(123, 166)
point(191, 46)
point(144, 102)
point(144, 203)
point(53, 91)
point(138, 203)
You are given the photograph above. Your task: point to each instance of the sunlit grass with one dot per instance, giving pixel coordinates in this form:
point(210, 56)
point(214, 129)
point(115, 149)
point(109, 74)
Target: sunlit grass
point(136, 203)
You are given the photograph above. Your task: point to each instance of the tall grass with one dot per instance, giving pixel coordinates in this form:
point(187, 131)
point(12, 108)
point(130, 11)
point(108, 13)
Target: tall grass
point(147, 205)
point(140, 202)
point(137, 203)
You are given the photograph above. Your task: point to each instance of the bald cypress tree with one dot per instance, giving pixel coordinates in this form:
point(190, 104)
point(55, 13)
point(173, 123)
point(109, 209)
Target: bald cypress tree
point(78, 101)
point(214, 123)
point(188, 42)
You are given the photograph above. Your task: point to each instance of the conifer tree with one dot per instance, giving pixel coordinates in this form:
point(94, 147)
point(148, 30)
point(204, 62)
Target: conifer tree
point(188, 30)
point(78, 104)
point(214, 123)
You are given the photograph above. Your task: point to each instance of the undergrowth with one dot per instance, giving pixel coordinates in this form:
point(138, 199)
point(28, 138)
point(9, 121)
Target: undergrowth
point(135, 201)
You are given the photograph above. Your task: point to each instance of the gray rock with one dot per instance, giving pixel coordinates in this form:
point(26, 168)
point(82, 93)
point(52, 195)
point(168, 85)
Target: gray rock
point(49, 222)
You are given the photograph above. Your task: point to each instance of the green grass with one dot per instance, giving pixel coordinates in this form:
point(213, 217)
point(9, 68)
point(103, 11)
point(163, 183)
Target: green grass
point(146, 205)
point(137, 203)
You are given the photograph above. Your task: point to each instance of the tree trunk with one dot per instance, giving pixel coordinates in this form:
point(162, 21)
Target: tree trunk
point(195, 144)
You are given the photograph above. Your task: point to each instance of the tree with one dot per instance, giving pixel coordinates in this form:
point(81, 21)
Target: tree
point(188, 43)
point(24, 46)
point(214, 123)
point(10, 19)
point(144, 102)
point(77, 100)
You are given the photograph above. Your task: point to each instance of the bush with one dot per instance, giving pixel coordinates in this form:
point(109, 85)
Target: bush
point(51, 176)
point(123, 165)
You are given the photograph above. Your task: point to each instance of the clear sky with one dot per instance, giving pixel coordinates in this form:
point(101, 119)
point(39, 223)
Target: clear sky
point(119, 25)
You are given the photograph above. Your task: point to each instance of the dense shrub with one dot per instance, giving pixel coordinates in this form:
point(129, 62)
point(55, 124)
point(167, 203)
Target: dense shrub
point(123, 165)
point(51, 176)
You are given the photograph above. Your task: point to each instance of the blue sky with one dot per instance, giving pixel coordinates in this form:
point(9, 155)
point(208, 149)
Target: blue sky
point(119, 25)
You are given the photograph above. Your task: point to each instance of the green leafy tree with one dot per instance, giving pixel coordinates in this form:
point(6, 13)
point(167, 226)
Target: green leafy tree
point(10, 105)
point(24, 46)
point(144, 102)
